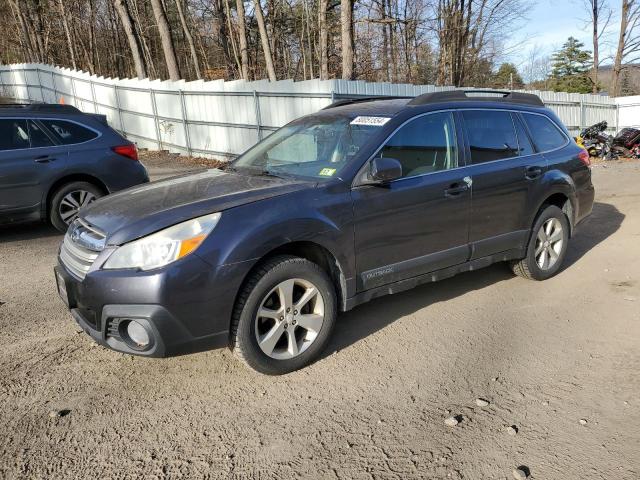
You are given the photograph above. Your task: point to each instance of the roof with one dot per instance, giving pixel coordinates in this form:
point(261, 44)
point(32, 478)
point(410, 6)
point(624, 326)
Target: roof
point(25, 108)
point(392, 105)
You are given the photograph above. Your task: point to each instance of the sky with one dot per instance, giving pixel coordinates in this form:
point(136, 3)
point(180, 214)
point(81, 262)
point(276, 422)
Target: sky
point(550, 23)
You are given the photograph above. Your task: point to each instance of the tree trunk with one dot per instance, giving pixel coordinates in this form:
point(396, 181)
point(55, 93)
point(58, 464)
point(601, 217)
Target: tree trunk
point(134, 42)
point(617, 64)
point(65, 25)
point(242, 33)
point(595, 18)
point(266, 48)
point(346, 19)
point(189, 37)
point(167, 42)
point(324, 39)
point(227, 11)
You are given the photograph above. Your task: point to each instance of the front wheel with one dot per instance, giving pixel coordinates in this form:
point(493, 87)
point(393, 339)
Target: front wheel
point(547, 246)
point(284, 315)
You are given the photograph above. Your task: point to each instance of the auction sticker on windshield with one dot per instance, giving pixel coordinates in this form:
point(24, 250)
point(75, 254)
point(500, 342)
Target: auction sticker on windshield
point(327, 172)
point(372, 121)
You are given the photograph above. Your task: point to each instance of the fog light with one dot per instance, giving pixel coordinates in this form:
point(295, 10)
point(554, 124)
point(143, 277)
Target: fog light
point(137, 334)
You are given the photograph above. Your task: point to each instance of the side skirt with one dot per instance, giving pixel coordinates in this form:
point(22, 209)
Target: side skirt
point(409, 283)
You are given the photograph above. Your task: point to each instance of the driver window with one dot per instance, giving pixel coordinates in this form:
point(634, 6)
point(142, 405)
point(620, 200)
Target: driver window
point(424, 145)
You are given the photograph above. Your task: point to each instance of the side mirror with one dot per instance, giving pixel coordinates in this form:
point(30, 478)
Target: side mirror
point(383, 170)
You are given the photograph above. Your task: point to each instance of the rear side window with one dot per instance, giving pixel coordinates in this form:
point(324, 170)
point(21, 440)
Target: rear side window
point(524, 143)
point(424, 145)
point(14, 134)
point(544, 132)
point(38, 137)
point(69, 133)
point(491, 135)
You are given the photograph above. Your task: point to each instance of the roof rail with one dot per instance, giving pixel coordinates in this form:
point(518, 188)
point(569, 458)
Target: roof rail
point(469, 95)
point(42, 107)
point(349, 101)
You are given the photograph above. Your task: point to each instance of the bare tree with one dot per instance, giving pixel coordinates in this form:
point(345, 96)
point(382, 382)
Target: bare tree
point(189, 37)
point(65, 25)
point(242, 33)
point(346, 21)
point(324, 39)
point(628, 50)
point(599, 19)
point(266, 48)
point(132, 36)
point(167, 41)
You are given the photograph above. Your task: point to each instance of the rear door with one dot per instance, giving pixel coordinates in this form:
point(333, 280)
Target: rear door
point(29, 159)
point(418, 223)
point(504, 169)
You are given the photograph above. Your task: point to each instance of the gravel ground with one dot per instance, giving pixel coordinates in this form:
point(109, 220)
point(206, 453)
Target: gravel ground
point(556, 361)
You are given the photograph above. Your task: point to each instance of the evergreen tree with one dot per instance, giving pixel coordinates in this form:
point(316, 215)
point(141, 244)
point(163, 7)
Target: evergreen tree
point(507, 76)
point(571, 66)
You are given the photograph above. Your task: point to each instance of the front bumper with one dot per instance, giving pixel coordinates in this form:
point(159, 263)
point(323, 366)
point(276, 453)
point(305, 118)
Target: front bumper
point(185, 308)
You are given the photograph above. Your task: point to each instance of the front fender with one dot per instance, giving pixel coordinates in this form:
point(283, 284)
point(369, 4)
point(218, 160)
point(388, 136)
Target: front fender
point(249, 232)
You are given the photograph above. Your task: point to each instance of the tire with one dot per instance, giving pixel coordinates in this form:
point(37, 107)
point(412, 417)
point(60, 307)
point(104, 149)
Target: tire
point(263, 291)
point(530, 266)
point(61, 209)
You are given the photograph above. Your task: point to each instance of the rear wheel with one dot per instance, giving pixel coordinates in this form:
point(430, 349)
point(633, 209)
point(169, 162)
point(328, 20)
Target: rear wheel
point(547, 246)
point(284, 316)
point(68, 200)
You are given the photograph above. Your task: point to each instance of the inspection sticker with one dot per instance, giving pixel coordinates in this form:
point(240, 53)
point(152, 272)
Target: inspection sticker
point(371, 121)
point(327, 172)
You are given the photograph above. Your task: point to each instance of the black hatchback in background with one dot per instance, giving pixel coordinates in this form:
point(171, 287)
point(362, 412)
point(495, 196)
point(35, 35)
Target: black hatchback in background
point(359, 200)
point(55, 159)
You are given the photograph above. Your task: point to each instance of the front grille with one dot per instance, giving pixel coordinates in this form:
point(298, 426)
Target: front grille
point(80, 248)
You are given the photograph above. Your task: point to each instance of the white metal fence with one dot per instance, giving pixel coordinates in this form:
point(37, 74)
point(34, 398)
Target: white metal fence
point(223, 119)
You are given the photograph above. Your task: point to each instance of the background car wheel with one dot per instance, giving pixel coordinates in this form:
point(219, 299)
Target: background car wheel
point(284, 315)
point(547, 246)
point(68, 200)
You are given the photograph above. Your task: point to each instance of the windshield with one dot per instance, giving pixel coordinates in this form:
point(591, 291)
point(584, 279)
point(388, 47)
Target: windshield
point(318, 146)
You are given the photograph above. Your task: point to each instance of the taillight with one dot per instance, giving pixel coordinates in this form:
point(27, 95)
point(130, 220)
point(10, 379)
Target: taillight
point(584, 157)
point(129, 151)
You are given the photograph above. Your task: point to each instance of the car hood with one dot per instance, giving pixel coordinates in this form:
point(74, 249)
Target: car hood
point(139, 211)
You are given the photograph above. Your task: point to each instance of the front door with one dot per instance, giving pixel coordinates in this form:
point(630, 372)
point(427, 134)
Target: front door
point(418, 223)
point(28, 162)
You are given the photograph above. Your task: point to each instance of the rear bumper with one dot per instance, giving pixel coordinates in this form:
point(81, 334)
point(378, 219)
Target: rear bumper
point(185, 308)
point(585, 198)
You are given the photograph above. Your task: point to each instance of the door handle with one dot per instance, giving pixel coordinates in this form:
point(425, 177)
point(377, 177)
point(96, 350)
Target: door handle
point(456, 189)
point(531, 173)
point(44, 159)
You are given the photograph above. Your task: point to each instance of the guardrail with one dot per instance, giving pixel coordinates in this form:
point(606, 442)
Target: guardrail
point(223, 119)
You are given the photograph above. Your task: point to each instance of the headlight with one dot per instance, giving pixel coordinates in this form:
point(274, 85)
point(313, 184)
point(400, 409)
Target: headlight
point(165, 246)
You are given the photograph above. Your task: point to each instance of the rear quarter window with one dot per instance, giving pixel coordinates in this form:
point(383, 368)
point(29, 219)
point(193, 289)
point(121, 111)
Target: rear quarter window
point(545, 134)
point(69, 133)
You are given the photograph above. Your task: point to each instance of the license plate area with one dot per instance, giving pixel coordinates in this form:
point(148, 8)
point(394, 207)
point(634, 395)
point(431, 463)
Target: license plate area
point(62, 288)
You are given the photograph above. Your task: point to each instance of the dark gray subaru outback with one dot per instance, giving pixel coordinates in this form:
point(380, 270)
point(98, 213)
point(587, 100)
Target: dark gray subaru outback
point(361, 199)
point(55, 159)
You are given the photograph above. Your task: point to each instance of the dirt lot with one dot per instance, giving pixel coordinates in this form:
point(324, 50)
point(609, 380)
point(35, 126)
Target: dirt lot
point(547, 356)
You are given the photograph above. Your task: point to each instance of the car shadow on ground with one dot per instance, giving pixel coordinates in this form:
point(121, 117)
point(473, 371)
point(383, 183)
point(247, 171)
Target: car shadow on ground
point(367, 319)
point(27, 231)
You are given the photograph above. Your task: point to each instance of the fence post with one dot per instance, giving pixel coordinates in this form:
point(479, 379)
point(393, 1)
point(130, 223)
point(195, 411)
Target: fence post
point(185, 122)
point(156, 120)
point(55, 86)
point(73, 92)
point(115, 89)
point(256, 103)
point(93, 95)
point(583, 116)
point(40, 82)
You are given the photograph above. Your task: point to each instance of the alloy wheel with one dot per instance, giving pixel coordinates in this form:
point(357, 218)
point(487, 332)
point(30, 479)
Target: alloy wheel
point(549, 243)
point(289, 319)
point(71, 204)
